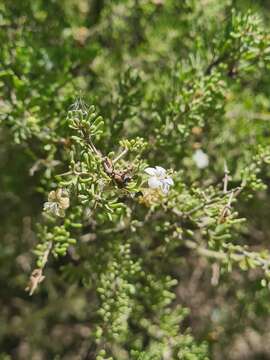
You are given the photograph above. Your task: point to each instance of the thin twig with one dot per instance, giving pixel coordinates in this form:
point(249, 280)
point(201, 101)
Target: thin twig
point(46, 254)
point(226, 178)
point(123, 153)
point(37, 276)
point(211, 201)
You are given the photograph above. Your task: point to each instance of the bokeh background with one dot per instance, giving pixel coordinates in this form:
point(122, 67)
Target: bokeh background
point(50, 52)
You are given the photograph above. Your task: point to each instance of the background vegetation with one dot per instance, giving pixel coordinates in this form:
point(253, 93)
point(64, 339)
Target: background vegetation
point(92, 93)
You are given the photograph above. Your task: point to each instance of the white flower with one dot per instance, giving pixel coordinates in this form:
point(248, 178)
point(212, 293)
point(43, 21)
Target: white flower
point(158, 179)
point(201, 159)
point(58, 202)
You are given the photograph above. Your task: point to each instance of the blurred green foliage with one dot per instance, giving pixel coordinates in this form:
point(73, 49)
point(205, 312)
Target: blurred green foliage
point(92, 93)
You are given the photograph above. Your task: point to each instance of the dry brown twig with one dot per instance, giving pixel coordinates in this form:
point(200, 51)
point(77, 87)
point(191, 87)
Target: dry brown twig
point(37, 276)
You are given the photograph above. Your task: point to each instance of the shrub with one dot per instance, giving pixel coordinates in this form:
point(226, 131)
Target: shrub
point(135, 151)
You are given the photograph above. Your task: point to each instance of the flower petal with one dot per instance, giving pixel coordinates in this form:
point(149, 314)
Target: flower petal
point(169, 181)
point(51, 207)
point(64, 202)
point(160, 171)
point(201, 159)
point(47, 206)
point(154, 183)
point(52, 196)
point(165, 188)
point(150, 171)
